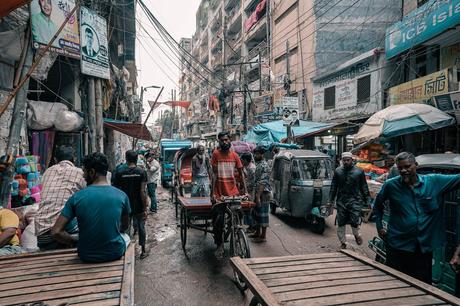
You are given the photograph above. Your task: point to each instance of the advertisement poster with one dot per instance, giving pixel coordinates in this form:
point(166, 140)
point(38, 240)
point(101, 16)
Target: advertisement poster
point(290, 110)
point(94, 52)
point(47, 16)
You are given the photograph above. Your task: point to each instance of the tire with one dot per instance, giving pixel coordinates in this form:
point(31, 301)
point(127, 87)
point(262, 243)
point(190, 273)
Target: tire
point(318, 225)
point(240, 247)
point(255, 302)
point(273, 208)
point(183, 230)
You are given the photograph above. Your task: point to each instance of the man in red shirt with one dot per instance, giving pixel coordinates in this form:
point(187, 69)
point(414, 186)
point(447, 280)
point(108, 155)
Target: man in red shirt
point(225, 163)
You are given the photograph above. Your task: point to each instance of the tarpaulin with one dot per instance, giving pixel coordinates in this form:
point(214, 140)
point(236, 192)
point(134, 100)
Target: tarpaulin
point(184, 104)
point(9, 5)
point(135, 130)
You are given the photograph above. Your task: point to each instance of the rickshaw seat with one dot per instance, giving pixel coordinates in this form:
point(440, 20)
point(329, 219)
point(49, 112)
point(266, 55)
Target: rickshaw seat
point(186, 170)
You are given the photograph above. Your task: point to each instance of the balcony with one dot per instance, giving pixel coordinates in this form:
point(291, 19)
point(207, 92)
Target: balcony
point(257, 34)
point(214, 5)
point(233, 55)
point(216, 46)
point(229, 4)
point(216, 59)
point(250, 5)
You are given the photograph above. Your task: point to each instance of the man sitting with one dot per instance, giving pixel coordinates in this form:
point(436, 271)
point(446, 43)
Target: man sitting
point(102, 212)
point(9, 241)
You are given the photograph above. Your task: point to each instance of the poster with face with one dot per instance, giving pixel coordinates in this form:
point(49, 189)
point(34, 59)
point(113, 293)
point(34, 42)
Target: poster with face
point(93, 37)
point(47, 16)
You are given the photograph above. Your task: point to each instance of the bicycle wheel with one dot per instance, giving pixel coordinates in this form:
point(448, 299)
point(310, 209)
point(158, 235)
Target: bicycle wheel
point(240, 247)
point(183, 229)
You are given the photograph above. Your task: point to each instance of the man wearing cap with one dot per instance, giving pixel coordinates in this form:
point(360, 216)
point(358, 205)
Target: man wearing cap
point(350, 192)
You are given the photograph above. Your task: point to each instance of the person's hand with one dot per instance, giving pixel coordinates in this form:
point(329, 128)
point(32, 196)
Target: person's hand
point(455, 261)
point(383, 233)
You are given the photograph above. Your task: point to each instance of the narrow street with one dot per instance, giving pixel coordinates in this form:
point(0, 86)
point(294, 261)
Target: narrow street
point(166, 277)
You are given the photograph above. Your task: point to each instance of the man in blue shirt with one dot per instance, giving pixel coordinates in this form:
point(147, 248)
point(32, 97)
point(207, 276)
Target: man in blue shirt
point(102, 213)
point(416, 225)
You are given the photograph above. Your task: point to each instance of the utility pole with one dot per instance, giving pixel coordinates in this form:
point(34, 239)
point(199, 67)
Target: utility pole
point(99, 117)
point(224, 70)
point(91, 114)
point(245, 103)
point(260, 72)
point(287, 86)
point(173, 116)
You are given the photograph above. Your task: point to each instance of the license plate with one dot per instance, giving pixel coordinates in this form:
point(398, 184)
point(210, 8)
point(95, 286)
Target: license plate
point(317, 184)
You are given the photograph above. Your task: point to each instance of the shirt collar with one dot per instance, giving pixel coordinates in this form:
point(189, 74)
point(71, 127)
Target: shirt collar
point(420, 180)
point(67, 162)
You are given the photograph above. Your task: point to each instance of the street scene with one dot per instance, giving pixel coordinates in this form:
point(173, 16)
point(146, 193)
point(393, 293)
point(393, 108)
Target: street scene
point(229, 152)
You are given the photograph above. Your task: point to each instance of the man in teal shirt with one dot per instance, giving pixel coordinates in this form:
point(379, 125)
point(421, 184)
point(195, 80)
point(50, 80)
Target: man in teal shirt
point(416, 222)
point(43, 28)
point(102, 213)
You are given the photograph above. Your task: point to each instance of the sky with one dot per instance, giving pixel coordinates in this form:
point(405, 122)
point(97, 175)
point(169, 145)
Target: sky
point(179, 19)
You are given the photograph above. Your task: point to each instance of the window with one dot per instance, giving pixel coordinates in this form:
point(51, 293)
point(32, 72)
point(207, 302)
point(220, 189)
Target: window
point(364, 89)
point(311, 169)
point(329, 98)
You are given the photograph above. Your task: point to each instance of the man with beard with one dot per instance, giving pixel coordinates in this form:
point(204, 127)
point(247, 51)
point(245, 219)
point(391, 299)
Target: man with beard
point(416, 224)
point(102, 213)
point(224, 163)
point(350, 191)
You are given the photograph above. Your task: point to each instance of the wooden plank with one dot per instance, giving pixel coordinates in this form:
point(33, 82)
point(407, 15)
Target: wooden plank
point(60, 279)
point(59, 268)
point(314, 272)
point(50, 287)
point(263, 271)
point(298, 262)
point(446, 297)
point(321, 277)
point(59, 294)
point(418, 300)
point(257, 287)
point(127, 289)
point(25, 277)
point(43, 264)
point(95, 297)
point(31, 256)
point(371, 288)
point(358, 297)
point(258, 260)
point(331, 283)
point(21, 260)
point(109, 302)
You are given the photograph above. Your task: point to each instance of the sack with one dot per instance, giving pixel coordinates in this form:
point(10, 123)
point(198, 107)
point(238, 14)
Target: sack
point(41, 115)
point(68, 121)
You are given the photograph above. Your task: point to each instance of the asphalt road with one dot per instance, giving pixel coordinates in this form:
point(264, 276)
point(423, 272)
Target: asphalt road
point(167, 277)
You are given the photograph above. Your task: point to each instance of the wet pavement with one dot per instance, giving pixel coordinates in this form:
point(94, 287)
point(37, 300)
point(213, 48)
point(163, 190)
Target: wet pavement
point(167, 277)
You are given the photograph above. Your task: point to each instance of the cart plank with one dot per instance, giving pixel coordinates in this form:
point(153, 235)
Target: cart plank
point(307, 267)
point(127, 289)
point(108, 302)
point(44, 264)
point(298, 262)
point(417, 300)
point(314, 272)
point(85, 298)
point(258, 260)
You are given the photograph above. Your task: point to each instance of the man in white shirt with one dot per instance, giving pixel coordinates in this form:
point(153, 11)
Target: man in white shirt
point(153, 174)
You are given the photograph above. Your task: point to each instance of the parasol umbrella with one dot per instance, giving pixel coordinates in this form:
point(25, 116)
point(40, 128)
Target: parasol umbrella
point(397, 120)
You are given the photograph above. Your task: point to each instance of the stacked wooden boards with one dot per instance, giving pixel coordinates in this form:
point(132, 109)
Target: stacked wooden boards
point(60, 278)
point(344, 278)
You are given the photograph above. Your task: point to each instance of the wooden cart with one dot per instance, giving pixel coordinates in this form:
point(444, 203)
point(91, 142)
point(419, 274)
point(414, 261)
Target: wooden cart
point(60, 278)
point(333, 279)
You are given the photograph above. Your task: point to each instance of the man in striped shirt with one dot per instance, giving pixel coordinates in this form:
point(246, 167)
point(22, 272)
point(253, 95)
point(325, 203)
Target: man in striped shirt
point(225, 163)
point(59, 182)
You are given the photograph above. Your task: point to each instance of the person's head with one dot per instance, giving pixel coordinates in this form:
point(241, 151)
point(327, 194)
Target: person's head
point(149, 156)
point(200, 150)
point(294, 115)
point(89, 37)
point(246, 158)
point(259, 152)
point(224, 141)
point(131, 157)
point(46, 7)
point(64, 153)
point(407, 166)
point(94, 166)
point(347, 160)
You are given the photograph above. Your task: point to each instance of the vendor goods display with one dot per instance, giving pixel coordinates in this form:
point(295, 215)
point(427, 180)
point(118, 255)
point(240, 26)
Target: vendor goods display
point(25, 187)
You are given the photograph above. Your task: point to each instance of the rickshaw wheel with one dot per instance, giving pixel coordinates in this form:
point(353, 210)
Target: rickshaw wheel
point(318, 225)
point(240, 247)
point(183, 229)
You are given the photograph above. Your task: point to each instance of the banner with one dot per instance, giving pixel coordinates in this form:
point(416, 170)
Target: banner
point(94, 47)
point(420, 90)
point(47, 17)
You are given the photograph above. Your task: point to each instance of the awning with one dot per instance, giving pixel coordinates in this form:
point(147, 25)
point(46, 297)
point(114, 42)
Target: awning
point(8, 6)
point(136, 130)
point(184, 104)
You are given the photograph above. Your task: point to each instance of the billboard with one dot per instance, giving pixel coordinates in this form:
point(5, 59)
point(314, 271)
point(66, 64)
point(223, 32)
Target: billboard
point(47, 16)
point(94, 46)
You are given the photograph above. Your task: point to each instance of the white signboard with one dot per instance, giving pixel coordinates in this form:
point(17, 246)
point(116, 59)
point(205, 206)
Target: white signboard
point(290, 110)
point(47, 16)
point(94, 47)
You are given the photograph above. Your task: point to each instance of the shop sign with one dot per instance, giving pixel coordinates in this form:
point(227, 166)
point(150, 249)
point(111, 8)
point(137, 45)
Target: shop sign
point(422, 24)
point(94, 47)
point(46, 18)
point(448, 102)
point(420, 90)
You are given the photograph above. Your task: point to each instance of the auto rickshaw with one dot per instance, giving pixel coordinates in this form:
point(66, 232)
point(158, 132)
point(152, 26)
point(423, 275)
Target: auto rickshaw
point(302, 181)
point(168, 149)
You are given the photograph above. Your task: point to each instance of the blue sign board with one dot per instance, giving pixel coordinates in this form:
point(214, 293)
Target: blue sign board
point(422, 24)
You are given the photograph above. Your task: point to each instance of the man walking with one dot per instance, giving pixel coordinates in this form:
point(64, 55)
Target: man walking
point(102, 212)
point(153, 175)
point(350, 192)
point(225, 163)
point(133, 180)
point(416, 226)
point(59, 182)
point(201, 170)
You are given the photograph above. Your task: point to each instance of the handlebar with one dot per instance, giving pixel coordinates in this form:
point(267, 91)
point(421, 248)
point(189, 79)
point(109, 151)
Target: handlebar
point(233, 199)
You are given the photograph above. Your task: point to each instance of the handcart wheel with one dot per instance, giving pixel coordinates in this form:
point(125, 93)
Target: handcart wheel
point(183, 229)
point(240, 247)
